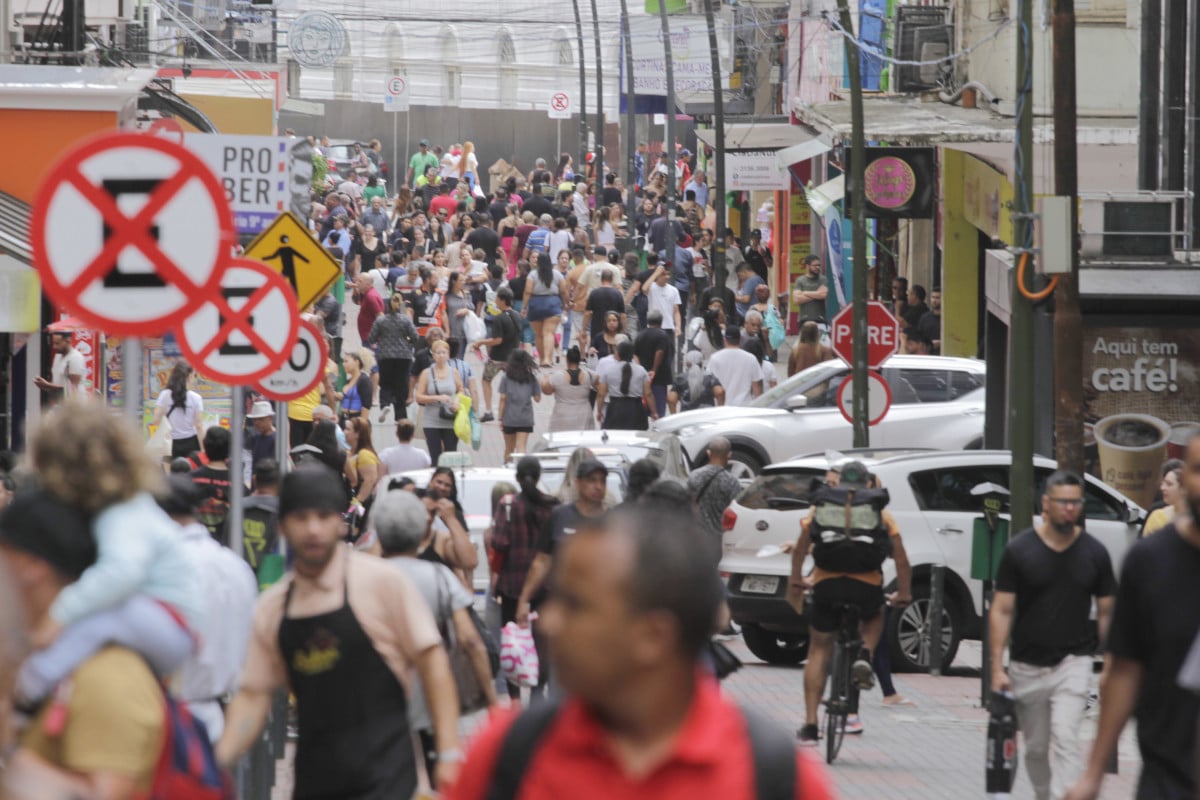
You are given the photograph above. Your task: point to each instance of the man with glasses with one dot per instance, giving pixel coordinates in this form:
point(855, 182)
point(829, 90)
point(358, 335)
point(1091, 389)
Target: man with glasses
point(1047, 579)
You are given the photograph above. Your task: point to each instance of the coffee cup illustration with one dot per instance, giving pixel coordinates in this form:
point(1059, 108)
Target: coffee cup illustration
point(1178, 438)
point(1132, 449)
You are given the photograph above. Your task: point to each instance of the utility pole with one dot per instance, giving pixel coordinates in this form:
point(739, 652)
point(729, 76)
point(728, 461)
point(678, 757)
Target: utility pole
point(1148, 108)
point(858, 234)
point(717, 187)
point(1068, 321)
point(629, 136)
point(582, 163)
point(669, 144)
point(1020, 348)
point(598, 161)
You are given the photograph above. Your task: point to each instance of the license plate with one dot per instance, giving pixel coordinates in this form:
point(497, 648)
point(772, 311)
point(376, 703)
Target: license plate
point(759, 584)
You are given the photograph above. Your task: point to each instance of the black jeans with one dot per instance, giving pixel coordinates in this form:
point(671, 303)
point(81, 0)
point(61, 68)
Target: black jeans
point(508, 613)
point(439, 440)
point(393, 384)
point(298, 432)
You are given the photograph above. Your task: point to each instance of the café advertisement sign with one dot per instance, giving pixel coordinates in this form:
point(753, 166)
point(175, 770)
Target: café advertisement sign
point(1141, 402)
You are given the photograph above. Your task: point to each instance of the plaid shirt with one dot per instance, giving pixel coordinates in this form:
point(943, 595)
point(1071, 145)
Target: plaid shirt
point(515, 531)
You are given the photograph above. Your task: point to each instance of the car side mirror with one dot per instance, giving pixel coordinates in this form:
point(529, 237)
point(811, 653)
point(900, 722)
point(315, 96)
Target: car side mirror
point(796, 402)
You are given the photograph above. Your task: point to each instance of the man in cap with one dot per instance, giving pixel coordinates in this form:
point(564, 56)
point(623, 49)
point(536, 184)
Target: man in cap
point(342, 630)
point(420, 162)
point(228, 590)
point(591, 478)
point(102, 731)
point(833, 590)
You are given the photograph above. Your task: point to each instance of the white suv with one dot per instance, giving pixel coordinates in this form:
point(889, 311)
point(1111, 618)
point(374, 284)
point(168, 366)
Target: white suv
point(937, 402)
point(935, 510)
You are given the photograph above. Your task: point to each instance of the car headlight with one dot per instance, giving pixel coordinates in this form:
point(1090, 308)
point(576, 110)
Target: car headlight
point(695, 428)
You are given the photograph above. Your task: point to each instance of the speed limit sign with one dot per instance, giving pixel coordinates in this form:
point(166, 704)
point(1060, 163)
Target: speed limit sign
point(303, 370)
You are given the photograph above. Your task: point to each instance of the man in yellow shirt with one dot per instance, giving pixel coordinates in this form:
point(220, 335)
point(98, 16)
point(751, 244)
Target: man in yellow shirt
point(101, 733)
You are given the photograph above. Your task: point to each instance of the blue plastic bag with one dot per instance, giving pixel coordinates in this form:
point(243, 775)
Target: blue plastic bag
point(476, 431)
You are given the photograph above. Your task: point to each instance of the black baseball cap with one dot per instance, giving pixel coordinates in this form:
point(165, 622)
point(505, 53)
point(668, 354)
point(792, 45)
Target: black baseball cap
point(733, 333)
point(590, 466)
point(38, 523)
point(312, 486)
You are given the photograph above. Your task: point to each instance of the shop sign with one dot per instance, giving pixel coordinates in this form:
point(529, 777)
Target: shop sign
point(898, 183)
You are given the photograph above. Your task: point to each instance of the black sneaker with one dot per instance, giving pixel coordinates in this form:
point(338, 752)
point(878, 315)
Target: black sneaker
point(809, 736)
point(487, 418)
point(862, 675)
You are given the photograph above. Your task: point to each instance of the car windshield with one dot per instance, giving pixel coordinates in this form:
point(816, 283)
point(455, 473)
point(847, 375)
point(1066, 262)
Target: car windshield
point(551, 482)
point(818, 383)
point(780, 490)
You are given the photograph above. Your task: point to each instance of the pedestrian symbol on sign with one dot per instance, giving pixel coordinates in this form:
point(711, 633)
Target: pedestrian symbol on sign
point(287, 256)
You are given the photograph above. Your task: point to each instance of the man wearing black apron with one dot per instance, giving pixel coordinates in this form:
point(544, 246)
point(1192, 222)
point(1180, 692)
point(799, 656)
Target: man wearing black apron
point(342, 631)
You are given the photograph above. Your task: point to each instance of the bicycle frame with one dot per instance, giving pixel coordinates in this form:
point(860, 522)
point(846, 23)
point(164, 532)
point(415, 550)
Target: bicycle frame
point(843, 694)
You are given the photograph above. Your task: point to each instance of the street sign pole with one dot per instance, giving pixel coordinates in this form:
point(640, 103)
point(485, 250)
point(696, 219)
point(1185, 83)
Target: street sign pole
point(395, 166)
point(558, 141)
point(131, 363)
point(407, 135)
point(237, 422)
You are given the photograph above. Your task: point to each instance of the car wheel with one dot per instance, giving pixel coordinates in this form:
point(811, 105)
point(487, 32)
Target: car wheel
point(775, 648)
point(744, 465)
point(908, 633)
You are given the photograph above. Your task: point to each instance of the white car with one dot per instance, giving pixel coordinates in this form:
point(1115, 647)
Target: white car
point(932, 502)
point(662, 449)
point(937, 402)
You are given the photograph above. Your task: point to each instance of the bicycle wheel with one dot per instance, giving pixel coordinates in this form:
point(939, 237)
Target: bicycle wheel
point(837, 706)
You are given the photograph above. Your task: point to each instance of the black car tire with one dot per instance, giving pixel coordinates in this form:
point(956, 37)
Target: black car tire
point(785, 649)
point(910, 650)
point(752, 462)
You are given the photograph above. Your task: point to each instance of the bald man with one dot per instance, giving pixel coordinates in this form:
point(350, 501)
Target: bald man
point(713, 488)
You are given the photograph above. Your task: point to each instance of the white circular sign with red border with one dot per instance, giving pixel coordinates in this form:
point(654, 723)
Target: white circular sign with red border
point(879, 398)
point(302, 371)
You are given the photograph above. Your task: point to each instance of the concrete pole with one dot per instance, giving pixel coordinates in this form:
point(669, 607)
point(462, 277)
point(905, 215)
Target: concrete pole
point(669, 148)
point(717, 187)
point(629, 129)
point(598, 170)
point(581, 165)
point(131, 364)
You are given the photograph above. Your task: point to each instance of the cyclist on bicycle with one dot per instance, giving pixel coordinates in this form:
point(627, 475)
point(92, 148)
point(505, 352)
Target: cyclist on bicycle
point(851, 534)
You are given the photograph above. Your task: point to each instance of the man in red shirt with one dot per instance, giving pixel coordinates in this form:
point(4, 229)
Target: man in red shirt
point(370, 304)
point(633, 606)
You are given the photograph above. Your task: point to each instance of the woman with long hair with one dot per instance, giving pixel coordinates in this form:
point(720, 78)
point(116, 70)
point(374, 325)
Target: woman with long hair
point(606, 234)
point(519, 390)
point(605, 341)
point(620, 223)
point(564, 172)
point(808, 350)
point(571, 388)
point(362, 465)
point(441, 269)
point(579, 234)
point(357, 393)
point(183, 408)
point(507, 231)
point(325, 438)
point(545, 298)
point(458, 305)
point(623, 394)
point(468, 165)
point(394, 336)
point(437, 390)
point(404, 196)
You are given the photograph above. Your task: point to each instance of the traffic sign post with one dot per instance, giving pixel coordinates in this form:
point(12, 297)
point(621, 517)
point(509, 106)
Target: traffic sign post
point(131, 233)
point(879, 398)
point(247, 330)
point(288, 248)
point(396, 98)
point(560, 105)
point(883, 334)
point(302, 371)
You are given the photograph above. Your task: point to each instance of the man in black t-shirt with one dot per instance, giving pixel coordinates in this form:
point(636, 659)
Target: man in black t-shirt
point(486, 239)
point(655, 351)
point(1045, 585)
point(600, 301)
point(1156, 619)
point(507, 329)
point(212, 481)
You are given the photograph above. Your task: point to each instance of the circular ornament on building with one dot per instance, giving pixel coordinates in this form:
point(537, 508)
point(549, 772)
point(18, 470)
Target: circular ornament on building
point(317, 39)
point(890, 182)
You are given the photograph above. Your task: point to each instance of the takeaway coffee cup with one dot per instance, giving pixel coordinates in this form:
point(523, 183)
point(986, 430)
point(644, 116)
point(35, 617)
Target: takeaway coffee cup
point(1178, 438)
point(1132, 449)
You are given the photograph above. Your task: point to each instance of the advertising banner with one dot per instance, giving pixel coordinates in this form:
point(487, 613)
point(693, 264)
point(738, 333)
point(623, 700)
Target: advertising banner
point(158, 356)
point(754, 171)
point(1141, 401)
point(689, 52)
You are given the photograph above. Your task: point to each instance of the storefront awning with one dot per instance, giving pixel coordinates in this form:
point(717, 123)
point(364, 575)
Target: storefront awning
point(765, 136)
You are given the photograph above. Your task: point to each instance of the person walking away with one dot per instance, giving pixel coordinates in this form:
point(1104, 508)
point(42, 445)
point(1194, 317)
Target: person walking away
point(713, 487)
point(519, 390)
point(501, 347)
point(516, 527)
point(227, 588)
point(214, 479)
point(260, 515)
point(545, 298)
point(634, 604)
point(1155, 621)
point(695, 388)
point(655, 349)
point(393, 335)
point(623, 393)
point(400, 519)
point(848, 571)
point(737, 370)
point(571, 388)
point(808, 350)
point(437, 390)
point(404, 455)
point(342, 630)
point(183, 408)
point(1045, 585)
point(66, 369)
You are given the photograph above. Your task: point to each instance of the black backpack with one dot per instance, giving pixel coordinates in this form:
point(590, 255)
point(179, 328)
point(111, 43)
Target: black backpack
point(848, 532)
point(773, 752)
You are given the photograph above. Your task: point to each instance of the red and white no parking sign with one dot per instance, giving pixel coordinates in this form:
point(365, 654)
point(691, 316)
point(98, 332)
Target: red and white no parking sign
point(131, 232)
point(247, 330)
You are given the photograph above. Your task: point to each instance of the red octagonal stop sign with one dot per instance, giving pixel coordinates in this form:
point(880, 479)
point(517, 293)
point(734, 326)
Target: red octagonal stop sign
point(883, 334)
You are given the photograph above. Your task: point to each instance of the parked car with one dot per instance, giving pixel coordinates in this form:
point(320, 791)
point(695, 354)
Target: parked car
point(340, 155)
point(663, 449)
point(937, 402)
point(554, 470)
point(935, 511)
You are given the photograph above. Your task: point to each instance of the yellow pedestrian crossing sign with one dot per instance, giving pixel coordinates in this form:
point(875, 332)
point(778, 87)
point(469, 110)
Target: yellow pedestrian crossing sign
point(287, 247)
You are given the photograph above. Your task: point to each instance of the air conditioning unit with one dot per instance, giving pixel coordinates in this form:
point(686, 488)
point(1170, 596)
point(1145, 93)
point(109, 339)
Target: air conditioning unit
point(922, 34)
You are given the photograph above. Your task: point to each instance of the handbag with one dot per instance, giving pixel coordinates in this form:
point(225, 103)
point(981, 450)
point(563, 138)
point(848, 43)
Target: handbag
point(518, 655)
point(724, 662)
point(471, 695)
